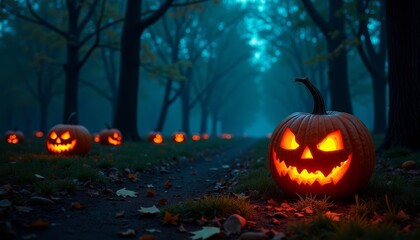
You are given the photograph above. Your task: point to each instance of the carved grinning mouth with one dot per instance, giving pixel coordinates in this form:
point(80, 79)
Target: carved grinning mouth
point(58, 148)
point(113, 142)
point(308, 178)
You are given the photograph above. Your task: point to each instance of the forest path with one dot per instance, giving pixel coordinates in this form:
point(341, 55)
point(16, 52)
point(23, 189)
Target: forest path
point(189, 179)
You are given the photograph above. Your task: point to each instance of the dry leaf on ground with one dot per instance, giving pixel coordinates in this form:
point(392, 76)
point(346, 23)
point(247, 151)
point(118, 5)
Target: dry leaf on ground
point(124, 193)
point(205, 233)
point(149, 210)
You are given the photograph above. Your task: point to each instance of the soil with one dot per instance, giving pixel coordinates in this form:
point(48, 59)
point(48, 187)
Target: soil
point(96, 217)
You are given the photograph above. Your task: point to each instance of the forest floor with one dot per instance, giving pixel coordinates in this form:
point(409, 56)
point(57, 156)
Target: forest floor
point(100, 210)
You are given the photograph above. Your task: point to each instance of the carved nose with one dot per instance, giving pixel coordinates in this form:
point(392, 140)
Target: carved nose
point(306, 154)
point(58, 140)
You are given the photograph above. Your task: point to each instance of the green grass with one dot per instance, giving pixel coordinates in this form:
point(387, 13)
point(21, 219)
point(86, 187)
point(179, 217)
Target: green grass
point(212, 206)
point(20, 163)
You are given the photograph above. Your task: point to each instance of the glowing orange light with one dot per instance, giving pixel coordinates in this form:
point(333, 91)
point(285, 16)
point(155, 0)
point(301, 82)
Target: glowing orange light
point(227, 136)
point(332, 142)
point(308, 178)
point(196, 137)
point(205, 136)
point(178, 137)
point(13, 139)
point(289, 140)
point(38, 134)
point(96, 138)
point(307, 154)
point(158, 139)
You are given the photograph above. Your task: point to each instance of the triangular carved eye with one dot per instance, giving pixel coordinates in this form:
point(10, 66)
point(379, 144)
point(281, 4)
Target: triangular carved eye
point(53, 135)
point(332, 142)
point(288, 141)
point(65, 135)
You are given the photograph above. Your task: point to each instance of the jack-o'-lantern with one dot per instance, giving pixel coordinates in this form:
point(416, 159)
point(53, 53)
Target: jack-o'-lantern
point(38, 134)
point(179, 137)
point(110, 136)
point(155, 137)
point(13, 136)
point(226, 136)
point(205, 136)
point(68, 139)
point(196, 137)
point(96, 137)
point(322, 153)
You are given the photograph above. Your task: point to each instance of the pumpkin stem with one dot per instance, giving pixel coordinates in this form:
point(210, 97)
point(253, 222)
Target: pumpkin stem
point(107, 126)
point(319, 105)
point(71, 118)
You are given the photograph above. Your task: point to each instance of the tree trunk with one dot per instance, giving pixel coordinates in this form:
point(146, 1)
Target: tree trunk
point(403, 34)
point(125, 118)
point(185, 105)
point(72, 71)
point(379, 101)
point(204, 118)
point(165, 106)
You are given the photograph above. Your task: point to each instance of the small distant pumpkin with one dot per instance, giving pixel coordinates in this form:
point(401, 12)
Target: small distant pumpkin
point(155, 137)
point(96, 137)
point(179, 137)
point(13, 136)
point(68, 139)
point(321, 153)
point(38, 134)
point(196, 137)
point(205, 136)
point(110, 136)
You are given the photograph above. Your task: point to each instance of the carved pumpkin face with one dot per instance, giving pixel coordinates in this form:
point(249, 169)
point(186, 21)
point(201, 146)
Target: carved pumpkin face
point(68, 139)
point(13, 137)
point(323, 153)
point(155, 137)
point(179, 137)
point(110, 136)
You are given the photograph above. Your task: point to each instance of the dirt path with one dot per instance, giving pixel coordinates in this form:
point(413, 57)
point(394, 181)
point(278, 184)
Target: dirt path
point(188, 179)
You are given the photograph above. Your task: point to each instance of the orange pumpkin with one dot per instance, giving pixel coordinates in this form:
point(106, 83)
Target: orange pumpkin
point(38, 134)
point(205, 136)
point(13, 136)
point(179, 137)
point(68, 139)
point(155, 137)
point(110, 136)
point(196, 137)
point(322, 153)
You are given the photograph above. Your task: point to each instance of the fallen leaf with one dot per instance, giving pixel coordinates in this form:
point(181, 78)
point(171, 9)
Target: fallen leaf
point(39, 176)
point(40, 200)
point(149, 210)
point(308, 210)
point(168, 184)
point(150, 192)
point(23, 209)
point(128, 233)
point(333, 216)
point(119, 214)
point(182, 228)
point(205, 233)
point(152, 230)
point(132, 177)
point(169, 219)
point(147, 237)
point(77, 205)
point(124, 193)
point(402, 215)
point(234, 224)
point(5, 203)
point(39, 223)
point(162, 202)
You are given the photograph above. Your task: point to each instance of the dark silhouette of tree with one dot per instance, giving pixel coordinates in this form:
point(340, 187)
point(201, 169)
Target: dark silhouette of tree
point(125, 118)
point(334, 33)
point(373, 58)
point(403, 34)
point(80, 18)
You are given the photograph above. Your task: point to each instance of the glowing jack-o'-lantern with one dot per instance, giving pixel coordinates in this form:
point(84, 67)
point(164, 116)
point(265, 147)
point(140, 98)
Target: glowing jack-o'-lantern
point(13, 137)
point(179, 137)
point(68, 139)
point(155, 137)
point(96, 137)
point(39, 134)
point(110, 136)
point(205, 136)
point(196, 137)
point(323, 153)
